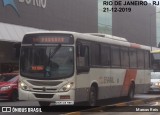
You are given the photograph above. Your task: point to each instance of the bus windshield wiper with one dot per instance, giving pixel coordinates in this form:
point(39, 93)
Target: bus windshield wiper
point(51, 55)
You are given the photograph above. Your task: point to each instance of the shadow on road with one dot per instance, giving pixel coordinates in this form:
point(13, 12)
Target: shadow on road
point(3, 100)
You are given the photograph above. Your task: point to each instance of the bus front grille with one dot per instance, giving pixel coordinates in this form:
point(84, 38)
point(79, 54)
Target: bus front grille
point(44, 83)
point(49, 90)
point(44, 95)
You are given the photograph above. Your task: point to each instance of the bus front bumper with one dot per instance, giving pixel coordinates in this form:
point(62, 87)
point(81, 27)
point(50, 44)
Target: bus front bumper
point(44, 96)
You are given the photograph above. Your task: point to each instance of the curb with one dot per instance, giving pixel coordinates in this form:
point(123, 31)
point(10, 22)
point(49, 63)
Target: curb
point(102, 108)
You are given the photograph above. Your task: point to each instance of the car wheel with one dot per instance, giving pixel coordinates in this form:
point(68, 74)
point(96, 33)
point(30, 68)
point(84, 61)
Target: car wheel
point(14, 96)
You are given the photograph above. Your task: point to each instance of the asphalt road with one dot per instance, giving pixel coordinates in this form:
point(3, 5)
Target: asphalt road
point(34, 103)
point(152, 108)
point(103, 102)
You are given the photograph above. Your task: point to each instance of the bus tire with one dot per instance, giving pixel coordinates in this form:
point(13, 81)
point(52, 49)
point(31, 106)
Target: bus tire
point(131, 91)
point(92, 96)
point(44, 103)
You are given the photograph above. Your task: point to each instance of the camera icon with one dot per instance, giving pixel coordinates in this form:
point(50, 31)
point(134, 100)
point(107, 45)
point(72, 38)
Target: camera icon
point(6, 109)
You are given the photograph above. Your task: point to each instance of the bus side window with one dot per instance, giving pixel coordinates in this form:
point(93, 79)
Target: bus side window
point(82, 58)
point(83, 55)
point(155, 62)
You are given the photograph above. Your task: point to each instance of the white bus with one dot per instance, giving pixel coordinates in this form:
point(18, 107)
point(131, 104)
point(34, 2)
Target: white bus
point(78, 67)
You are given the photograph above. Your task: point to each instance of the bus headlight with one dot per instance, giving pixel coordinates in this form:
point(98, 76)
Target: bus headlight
point(23, 86)
point(66, 87)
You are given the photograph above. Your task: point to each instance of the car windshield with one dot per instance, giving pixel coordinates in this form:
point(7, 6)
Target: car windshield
point(7, 78)
point(46, 62)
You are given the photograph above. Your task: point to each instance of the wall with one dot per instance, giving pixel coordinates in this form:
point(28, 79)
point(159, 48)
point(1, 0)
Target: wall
point(73, 15)
point(139, 26)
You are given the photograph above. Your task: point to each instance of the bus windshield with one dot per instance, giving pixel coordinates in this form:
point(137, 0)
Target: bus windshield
point(156, 61)
point(47, 62)
point(156, 56)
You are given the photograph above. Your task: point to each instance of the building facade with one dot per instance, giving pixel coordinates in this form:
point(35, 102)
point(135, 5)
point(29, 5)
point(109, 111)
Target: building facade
point(77, 15)
point(18, 17)
point(138, 26)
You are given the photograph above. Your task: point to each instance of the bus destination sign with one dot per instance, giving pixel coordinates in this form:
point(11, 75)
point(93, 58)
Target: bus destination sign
point(48, 39)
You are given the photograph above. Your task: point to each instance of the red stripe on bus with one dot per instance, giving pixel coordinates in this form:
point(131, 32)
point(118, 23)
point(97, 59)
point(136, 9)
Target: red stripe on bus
point(129, 76)
point(134, 45)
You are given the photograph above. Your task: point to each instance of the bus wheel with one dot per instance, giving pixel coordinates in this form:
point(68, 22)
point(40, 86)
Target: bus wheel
point(92, 96)
point(44, 103)
point(131, 92)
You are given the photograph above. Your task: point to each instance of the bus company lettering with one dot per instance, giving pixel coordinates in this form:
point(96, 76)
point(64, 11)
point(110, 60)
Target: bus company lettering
point(105, 79)
point(39, 3)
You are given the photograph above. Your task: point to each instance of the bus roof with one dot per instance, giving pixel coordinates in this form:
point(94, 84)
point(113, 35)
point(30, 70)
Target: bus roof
point(99, 38)
point(55, 31)
point(108, 36)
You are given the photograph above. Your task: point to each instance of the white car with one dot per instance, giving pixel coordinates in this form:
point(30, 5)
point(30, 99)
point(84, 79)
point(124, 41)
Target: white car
point(155, 81)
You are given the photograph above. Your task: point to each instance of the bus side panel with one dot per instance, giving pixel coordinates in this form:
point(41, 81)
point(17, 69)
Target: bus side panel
point(84, 81)
point(129, 76)
point(101, 76)
point(142, 81)
point(81, 88)
point(110, 83)
point(148, 80)
point(117, 86)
